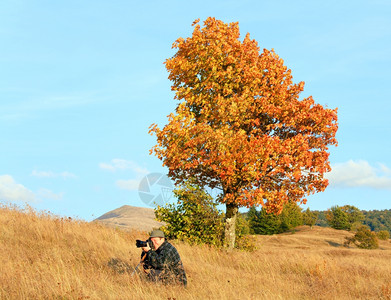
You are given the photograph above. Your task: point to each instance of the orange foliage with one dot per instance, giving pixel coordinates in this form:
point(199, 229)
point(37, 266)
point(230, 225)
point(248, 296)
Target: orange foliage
point(239, 124)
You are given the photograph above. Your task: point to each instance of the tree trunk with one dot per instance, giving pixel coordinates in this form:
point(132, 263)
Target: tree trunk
point(230, 225)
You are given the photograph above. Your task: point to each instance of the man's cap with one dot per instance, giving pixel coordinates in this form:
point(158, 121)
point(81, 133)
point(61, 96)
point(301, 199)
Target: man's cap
point(157, 233)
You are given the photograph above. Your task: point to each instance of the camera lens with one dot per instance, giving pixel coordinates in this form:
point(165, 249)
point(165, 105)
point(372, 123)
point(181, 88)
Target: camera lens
point(140, 243)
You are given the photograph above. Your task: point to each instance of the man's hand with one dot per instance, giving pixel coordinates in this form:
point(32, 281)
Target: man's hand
point(146, 249)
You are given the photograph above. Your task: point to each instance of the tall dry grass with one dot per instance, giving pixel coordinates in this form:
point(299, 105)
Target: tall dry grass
point(45, 257)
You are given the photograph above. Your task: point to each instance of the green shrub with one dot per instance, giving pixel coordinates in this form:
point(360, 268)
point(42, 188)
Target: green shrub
point(194, 218)
point(262, 222)
point(355, 226)
point(310, 217)
point(242, 226)
point(337, 218)
point(364, 239)
point(354, 214)
point(246, 243)
point(291, 216)
point(243, 240)
point(346, 217)
point(383, 235)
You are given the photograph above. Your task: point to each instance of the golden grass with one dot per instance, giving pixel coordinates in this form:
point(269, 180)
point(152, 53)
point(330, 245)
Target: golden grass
point(46, 257)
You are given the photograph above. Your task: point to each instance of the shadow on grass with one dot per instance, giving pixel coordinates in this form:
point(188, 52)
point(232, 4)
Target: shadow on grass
point(334, 244)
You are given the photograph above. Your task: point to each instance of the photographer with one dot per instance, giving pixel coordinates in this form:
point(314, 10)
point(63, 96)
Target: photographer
point(161, 261)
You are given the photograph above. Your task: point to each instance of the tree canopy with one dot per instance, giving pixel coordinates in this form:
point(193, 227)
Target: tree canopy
point(239, 124)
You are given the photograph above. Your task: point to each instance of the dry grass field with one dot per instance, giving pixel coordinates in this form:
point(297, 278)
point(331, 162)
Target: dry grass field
point(45, 257)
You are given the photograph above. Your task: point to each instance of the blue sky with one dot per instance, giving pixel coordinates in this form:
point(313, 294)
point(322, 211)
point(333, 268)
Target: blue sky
point(81, 81)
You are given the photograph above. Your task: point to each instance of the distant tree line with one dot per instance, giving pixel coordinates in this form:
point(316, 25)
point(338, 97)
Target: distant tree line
point(346, 217)
point(376, 220)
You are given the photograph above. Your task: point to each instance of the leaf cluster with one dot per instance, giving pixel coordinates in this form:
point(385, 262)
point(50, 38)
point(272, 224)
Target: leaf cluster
point(239, 124)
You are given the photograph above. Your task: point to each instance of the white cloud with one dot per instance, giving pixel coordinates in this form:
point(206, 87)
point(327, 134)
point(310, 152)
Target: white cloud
point(122, 164)
point(12, 191)
point(106, 166)
point(360, 174)
point(130, 185)
point(386, 170)
point(50, 174)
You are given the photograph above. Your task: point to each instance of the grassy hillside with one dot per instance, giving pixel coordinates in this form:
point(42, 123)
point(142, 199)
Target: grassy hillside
point(130, 217)
point(44, 257)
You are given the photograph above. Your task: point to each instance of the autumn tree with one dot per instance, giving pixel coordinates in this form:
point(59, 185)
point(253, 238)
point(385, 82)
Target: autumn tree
point(240, 126)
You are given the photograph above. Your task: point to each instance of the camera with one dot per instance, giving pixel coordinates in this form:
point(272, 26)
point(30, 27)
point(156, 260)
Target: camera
point(140, 244)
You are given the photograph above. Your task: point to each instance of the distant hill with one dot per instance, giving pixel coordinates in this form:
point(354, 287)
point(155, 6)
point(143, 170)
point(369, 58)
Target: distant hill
point(130, 217)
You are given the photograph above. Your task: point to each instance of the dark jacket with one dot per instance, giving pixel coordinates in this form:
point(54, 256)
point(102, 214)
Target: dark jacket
point(165, 265)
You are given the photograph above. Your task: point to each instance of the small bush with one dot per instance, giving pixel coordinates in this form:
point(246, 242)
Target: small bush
point(356, 226)
point(383, 235)
point(246, 243)
point(194, 218)
point(364, 239)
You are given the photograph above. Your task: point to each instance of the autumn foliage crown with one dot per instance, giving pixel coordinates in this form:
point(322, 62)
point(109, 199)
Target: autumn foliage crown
point(239, 124)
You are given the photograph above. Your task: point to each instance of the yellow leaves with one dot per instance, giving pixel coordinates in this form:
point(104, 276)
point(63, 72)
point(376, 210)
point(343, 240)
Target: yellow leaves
point(240, 124)
point(195, 22)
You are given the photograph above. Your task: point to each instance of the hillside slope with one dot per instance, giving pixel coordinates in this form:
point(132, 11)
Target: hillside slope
point(130, 217)
point(46, 257)
point(318, 237)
